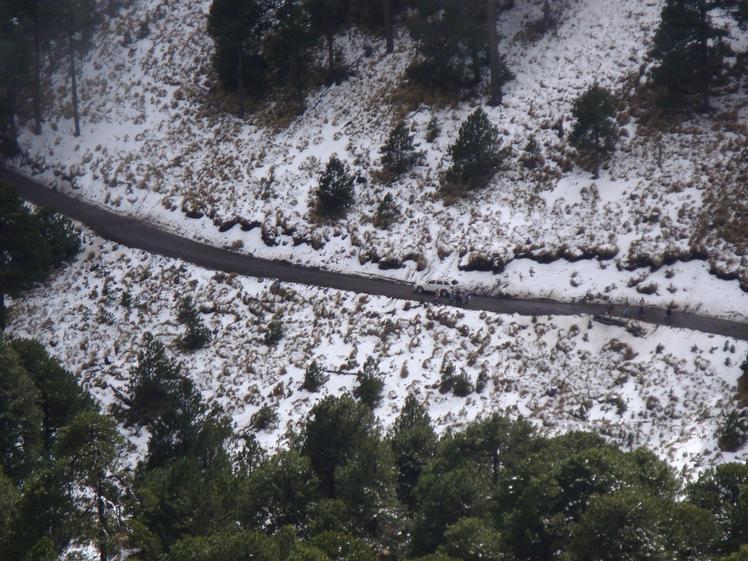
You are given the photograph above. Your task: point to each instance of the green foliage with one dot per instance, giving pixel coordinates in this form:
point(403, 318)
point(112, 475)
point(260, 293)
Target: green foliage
point(21, 417)
point(413, 443)
point(689, 51)
point(265, 418)
point(197, 335)
point(470, 539)
point(237, 28)
point(236, 546)
point(339, 546)
point(622, 526)
point(366, 485)
point(61, 398)
point(447, 376)
point(288, 48)
point(476, 154)
point(60, 234)
point(314, 377)
point(335, 190)
point(443, 498)
point(723, 491)
point(595, 131)
point(370, 384)
point(274, 332)
point(452, 41)
point(281, 492)
point(334, 430)
point(388, 212)
point(399, 153)
point(733, 432)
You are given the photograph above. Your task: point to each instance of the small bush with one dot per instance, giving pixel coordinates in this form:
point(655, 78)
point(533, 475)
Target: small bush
point(388, 212)
point(197, 335)
point(335, 192)
point(274, 332)
point(370, 384)
point(481, 382)
point(733, 433)
point(265, 418)
point(461, 385)
point(314, 377)
point(447, 376)
point(433, 129)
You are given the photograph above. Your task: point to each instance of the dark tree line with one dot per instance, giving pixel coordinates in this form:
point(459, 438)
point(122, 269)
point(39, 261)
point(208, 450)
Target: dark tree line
point(340, 489)
point(34, 33)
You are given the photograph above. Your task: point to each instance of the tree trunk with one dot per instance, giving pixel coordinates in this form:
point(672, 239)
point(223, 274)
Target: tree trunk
point(74, 84)
point(101, 515)
point(493, 54)
point(388, 28)
point(704, 40)
point(13, 147)
point(331, 54)
point(2, 315)
point(37, 77)
point(240, 82)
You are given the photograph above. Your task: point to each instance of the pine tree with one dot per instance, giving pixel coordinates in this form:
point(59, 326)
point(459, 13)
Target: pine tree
point(476, 154)
point(90, 447)
point(79, 18)
point(328, 17)
point(314, 377)
point(196, 335)
point(689, 50)
point(237, 28)
point(14, 61)
point(413, 442)
point(288, 48)
point(595, 131)
point(399, 153)
point(388, 212)
point(26, 257)
point(335, 191)
point(370, 384)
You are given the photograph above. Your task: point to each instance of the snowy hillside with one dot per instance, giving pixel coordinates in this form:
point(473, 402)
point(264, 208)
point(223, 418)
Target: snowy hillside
point(157, 144)
point(668, 390)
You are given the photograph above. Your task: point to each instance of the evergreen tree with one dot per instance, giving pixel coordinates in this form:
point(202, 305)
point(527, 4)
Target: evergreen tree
point(328, 17)
point(723, 491)
point(689, 50)
point(595, 131)
point(334, 430)
point(61, 397)
point(366, 485)
point(60, 234)
point(388, 212)
point(314, 377)
point(237, 28)
point(13, 69)
point(26, 258)
point(370, 384)
point(288, 48)
point(399, 153)
point(78, 18)
point(470, 539)
point(89, 447)
point(196, 335)
point(280, 492)
point(476, 154)
point(21, 430)
point(335, 191)
point(413, 442)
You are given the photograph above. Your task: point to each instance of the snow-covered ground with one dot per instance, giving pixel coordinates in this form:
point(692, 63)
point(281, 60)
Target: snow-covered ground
point(157, 144)
point(667, 390)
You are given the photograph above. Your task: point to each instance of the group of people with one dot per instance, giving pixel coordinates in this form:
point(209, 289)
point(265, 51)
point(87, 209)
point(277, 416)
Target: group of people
point(643, 312)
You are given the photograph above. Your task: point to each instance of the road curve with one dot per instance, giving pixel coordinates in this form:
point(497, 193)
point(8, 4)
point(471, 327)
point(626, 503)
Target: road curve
point(136, 234)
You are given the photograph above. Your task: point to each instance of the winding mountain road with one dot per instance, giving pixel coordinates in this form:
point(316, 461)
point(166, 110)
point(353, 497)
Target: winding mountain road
point(136, 234)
